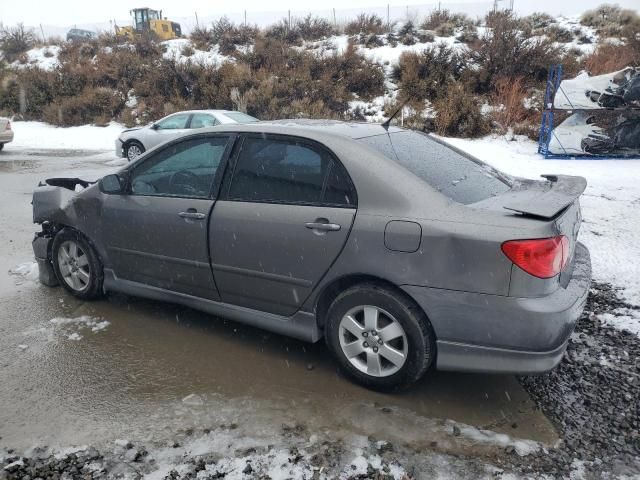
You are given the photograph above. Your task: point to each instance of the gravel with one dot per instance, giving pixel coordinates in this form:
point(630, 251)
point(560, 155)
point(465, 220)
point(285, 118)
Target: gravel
point(593, 396)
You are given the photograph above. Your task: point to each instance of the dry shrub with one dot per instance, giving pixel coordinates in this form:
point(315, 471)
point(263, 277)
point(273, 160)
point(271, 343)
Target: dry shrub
point(314, 28)
point(559, 34)
point(425, 75)
point(508, 97)
point(370, 24)
point(505, 52)
point(284, 32)
point(202, 38)
point(537, 21)
point(610, 20)
point(93, 105)
point(608, 58)
point(438, 18)
point(15, 41)
point(458, 114)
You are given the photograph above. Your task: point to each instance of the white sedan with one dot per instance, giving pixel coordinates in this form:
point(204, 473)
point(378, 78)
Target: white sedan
point(134, 141)
point(6, 134)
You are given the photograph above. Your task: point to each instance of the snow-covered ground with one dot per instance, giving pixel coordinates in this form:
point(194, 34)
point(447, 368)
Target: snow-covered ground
point(39, 135)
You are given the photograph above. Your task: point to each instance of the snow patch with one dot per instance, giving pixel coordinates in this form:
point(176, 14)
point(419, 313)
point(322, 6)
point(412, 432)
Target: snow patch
point(26, 271)
point(522, 447)
point(176, 49)
point(41, 135)
point(72, 327)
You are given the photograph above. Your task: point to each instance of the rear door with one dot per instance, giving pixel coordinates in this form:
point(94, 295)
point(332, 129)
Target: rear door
point(156, 233)
point(283, 217)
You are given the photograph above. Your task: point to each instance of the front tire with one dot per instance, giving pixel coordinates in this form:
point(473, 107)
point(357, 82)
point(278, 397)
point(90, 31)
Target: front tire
point(133, 150)
point(380, 339)
point(1, 146)
point(77, 265)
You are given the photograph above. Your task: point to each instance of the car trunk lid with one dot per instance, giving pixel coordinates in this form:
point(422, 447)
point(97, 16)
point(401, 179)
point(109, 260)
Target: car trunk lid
point(543, 199)
point(552, 205)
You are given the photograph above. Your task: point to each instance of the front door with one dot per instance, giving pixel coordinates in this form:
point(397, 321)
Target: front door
point(157, 232)
point(167, 129)
point(283, 218)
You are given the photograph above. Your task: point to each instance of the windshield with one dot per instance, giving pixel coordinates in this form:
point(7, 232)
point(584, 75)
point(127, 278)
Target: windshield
point(461, 178)
point(240, 117)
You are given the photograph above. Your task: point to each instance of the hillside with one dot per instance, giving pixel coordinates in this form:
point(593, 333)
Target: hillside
point(458, 76)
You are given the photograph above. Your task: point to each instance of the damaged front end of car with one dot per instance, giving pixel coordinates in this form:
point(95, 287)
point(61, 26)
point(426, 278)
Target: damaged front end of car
point(53, 208)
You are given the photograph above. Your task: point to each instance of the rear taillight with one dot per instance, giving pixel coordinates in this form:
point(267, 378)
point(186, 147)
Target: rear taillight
point(8, 127)
point(540, 257)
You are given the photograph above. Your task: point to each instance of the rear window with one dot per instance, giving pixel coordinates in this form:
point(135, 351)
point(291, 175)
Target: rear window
point(461, 178)
point(240, 117)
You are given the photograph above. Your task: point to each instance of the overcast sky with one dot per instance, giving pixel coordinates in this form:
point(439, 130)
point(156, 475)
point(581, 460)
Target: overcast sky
point(70, 12)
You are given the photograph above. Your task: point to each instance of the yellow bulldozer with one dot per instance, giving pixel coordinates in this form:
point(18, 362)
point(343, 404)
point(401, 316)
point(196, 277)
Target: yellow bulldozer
point(146, 20)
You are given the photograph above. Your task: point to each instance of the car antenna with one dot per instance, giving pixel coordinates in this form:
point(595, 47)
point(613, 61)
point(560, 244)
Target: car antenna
point(387, 122)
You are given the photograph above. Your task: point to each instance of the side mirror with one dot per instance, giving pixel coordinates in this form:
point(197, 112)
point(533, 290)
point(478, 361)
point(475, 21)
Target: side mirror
point(154, 126)
point(112, 184)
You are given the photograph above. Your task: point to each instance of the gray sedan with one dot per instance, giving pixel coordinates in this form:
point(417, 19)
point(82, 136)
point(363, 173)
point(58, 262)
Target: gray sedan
point(134, 141)
point(403, 253)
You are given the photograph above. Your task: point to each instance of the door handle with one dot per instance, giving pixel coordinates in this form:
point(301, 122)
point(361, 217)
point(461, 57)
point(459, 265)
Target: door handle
point(192, 215)
point(327, 227)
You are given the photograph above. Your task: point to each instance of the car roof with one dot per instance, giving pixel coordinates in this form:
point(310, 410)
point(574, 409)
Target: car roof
point(315, 129)
point(213, 111)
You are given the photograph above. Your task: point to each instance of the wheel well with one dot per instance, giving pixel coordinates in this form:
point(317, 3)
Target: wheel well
point(331, 291)
point(61, 227)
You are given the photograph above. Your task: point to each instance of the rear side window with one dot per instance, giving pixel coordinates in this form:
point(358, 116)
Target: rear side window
point(201, 120)
point(240, 117)
point(284, 171)
point(461, 178)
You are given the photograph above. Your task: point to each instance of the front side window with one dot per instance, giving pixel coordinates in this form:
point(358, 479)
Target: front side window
point(174, 122)
point(185, 169)
point(283, 171)
point(201, 120)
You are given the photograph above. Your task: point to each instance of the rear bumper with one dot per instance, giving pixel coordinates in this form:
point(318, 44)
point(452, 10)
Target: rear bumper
point(6, 136)
point(500, 334)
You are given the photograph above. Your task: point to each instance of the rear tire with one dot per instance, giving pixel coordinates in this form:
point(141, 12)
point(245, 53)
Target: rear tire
point(380, 339)
point(1, 146)
point(77, 265)
point(133, 149)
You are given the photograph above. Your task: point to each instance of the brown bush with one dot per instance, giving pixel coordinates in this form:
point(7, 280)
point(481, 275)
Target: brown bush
point(508, 98)
point(424, 75)
point(364, 23)
point(314, 28)
point(608, 57)
point(458, 114)
point(505, 52)
point(610, 20)
point(442, 18)
point(93, 105)
point(16, 40)
point(202, 38)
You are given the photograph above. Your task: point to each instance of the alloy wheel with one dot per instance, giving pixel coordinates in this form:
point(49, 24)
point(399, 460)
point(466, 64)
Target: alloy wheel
point(373, 341)
point(133, 152)
point(73, 263)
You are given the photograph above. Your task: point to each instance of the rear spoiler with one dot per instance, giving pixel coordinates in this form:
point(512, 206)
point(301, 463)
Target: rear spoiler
point(544, 199)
